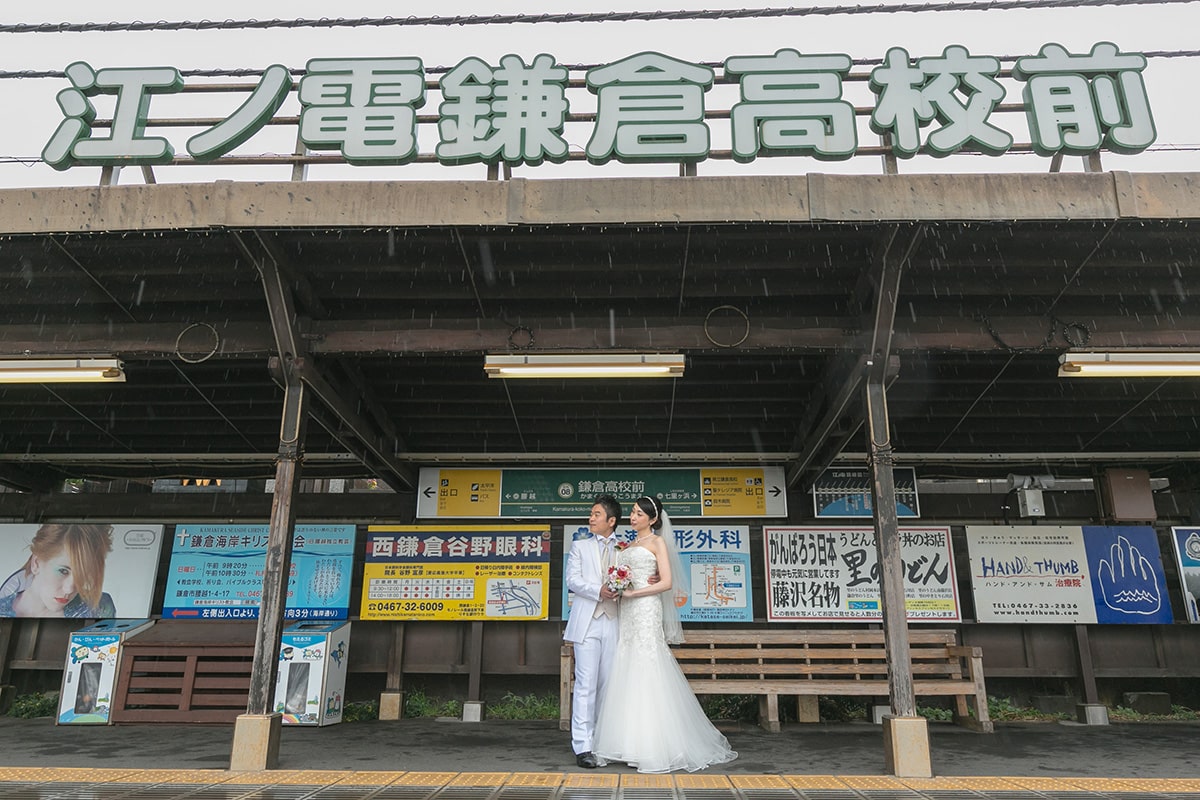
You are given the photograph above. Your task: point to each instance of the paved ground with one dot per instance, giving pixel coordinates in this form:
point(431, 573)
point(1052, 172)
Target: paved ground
point(496, 760)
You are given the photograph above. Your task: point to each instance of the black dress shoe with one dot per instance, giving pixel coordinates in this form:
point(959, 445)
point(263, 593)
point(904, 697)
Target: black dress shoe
point(587, 760)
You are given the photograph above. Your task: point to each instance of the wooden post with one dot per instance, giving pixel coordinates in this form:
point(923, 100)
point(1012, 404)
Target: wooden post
point(891, 568)
point(256, 733)
point(1087, 672)
point(473, 708)
point(391, 701)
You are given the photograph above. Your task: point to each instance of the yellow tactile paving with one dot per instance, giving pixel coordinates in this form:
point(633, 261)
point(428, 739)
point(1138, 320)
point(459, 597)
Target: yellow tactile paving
point(609, 781)
point(258, 777)
point(702, 782)
point(1040, 784)
point(62, 774)
point(199, 776)
point(370, 778)
point(647, 782)
point(590, 780)
point(983, 783)
point(1095, 784)
point(815, 782)
point(479, 779)
point(935, 784)
point(425, 778)
point(312, 777)
point(535, 779)
point(871, 782)
point(1177, 785)
point(759, 782)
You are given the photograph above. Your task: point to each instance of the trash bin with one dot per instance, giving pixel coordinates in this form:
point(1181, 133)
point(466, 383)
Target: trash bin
point(90, 675)
point(310, 688)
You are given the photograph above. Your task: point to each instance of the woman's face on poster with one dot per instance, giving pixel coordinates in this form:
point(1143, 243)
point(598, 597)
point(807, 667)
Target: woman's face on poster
point(53, 582)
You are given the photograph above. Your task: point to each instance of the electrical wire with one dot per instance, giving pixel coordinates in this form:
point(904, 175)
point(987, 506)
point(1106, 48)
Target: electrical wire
point(300, 72)
point(570, 17)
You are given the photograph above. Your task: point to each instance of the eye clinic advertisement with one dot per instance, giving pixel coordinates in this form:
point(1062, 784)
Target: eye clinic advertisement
point(82, 570)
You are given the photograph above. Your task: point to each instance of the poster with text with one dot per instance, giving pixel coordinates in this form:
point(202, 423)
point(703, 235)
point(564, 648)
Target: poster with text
point(832, 573)
point(81, 570)
point(1187, 558)
point(448, 572)
point(1067, 574)
point(217, 572)
point(717, 558)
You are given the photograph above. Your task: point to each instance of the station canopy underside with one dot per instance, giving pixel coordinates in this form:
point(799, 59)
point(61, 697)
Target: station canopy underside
point(768, 287)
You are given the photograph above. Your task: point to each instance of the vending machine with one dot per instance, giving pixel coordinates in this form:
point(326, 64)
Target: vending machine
point(310, 688)
point(90, 675)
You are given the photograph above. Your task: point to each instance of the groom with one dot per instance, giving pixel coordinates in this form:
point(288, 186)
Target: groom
point(592, 626)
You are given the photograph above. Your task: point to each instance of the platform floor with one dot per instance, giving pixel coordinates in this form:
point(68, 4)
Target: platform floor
point(149, 784)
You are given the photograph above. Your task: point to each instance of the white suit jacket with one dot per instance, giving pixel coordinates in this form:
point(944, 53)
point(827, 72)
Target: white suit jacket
point(584, 577)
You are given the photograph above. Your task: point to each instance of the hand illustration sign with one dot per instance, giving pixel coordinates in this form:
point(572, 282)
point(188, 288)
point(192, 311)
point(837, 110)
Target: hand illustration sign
point(1127, 580)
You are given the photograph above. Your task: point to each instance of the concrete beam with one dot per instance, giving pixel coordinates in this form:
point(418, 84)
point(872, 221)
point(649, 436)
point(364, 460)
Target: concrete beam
point(780, 198)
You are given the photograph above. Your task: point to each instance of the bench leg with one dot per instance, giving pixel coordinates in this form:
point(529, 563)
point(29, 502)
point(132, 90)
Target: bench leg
point(981, 722)
point(768, 712)
point(808, 708)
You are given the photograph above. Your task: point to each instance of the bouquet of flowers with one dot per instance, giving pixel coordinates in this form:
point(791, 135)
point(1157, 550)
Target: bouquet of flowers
point(620, 578)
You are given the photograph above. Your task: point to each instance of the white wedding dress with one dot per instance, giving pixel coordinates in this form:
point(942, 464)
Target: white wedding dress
point(649, 717)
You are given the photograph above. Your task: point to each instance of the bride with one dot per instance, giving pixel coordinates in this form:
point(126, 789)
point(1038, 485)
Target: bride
point(649, 717)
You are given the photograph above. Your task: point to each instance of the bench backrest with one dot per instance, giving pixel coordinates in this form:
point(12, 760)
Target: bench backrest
point(823, 654)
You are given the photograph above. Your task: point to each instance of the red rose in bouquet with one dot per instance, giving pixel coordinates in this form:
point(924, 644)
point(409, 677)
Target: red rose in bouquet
point(620, 578)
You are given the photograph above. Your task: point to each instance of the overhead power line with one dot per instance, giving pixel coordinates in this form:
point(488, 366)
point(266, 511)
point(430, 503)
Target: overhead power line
point(537, 19)
point(254, 73)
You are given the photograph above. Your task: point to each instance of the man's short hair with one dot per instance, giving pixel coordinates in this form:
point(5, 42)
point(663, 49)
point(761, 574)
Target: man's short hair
point(612, 509)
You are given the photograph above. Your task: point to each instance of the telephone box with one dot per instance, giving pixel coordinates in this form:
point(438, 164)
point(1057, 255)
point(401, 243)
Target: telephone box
point(310, 688)
point(90, 675)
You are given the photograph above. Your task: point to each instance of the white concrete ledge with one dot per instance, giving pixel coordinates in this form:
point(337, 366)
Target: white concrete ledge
point(797, 198)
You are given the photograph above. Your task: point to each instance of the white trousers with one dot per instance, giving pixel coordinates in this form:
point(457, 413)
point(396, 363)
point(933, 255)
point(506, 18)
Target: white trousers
point(593, 663)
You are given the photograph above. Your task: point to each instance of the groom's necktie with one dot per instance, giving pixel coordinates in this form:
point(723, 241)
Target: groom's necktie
point(606, 608)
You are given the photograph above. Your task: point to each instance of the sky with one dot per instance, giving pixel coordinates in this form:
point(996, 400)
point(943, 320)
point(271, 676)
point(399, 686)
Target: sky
point(32, 114)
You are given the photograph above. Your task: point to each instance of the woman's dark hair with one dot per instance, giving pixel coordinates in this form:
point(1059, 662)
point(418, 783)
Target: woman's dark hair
point(653, 508)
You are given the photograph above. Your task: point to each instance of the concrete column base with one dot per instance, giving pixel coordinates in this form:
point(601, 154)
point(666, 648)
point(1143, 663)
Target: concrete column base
point(391, 705)
point(256, 742)
point(906, 747)
point(1091, 714)
point(473, 711)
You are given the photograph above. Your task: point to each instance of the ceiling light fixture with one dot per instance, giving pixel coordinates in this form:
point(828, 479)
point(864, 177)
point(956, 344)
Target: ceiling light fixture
point(62, 370)
point(585, 365)
point(1129, 364)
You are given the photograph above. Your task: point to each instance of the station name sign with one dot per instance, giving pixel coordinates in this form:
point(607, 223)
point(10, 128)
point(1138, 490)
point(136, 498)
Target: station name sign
point(649, 108)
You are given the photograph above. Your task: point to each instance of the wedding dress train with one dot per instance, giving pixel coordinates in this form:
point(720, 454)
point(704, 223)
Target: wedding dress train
point(649, 717)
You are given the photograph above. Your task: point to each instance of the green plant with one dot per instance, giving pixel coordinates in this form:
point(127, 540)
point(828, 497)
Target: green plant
point(356, 712)
point(37, 704)
point(841, 709)
point(1129, 715)
point(1002, 709)
point(934, 714)
point(741, 707)
point(529, 706)
point(418, 704)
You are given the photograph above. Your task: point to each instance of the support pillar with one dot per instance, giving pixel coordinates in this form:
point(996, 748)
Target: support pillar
point(391, 700)
point(906, 734)
point(256, 733)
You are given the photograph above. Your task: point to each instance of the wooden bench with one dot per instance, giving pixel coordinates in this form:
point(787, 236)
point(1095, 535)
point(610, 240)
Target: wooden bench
point(810, 663)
